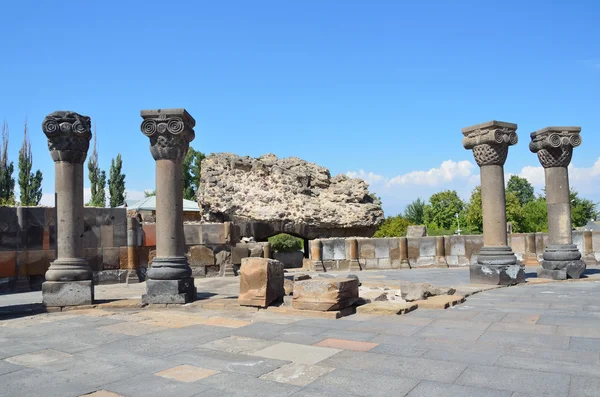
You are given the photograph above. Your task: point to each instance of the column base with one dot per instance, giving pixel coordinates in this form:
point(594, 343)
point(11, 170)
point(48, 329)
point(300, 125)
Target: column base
point(69, 269)
point(175, 268)
point(132, 277)
point(170, 291)
point(552, 274)
point(354, 265)
point(497, 266)
point(67, 293)
point(563, 257)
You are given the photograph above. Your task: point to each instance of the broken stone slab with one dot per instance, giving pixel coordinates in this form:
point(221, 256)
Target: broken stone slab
point(415, 291)
point(370, 296)
point(261, 282)
point(386, 308)
point(325, 294)
point(497, 274)
point(440, 302)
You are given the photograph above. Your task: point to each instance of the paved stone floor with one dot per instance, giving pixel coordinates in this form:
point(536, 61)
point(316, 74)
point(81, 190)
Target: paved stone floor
point(525, 341)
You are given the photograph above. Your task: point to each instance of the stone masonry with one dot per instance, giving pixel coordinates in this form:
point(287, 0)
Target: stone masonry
point(170, 277)
point(69, 278)
point(554, 147)
point(496, 263)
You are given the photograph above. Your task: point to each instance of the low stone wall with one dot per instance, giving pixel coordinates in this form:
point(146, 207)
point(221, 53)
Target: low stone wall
point(440, 251)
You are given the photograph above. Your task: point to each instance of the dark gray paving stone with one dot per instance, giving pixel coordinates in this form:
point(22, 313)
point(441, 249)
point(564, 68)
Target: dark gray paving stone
point(262, 330)
point(584, 344)
point(538, 364)
point(462, 356)
point(302, 330)
point(310, 392)
point(449, 333)
point(79, 340)
point(88, 371)
point(149, 385)
point(397, 340)
point(398, 350)
point(582, 357)
point(6, 368)
point(319, 322)
point(537, 383)
point(210, 392)
point(250, 386)
point(345, 334)
point(582, 386)
point(366, 361)
point(298, 338)
point(29, 382)
point(527, 339)
point(581, 321)
point(345, 381)
point(421, 368)
point(435, 389)
point(385, 328)
point(229, 362)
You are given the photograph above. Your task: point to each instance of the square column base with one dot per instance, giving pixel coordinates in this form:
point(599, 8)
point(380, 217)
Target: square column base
point(552, 274)
point(169, 291)
point(572, 268)
point(497, 274)
point(67, 293)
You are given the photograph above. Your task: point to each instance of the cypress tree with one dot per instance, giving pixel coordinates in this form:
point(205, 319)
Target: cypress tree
point(30, 184)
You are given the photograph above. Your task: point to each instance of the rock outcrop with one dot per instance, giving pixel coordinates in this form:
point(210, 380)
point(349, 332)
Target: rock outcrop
point(268, 195)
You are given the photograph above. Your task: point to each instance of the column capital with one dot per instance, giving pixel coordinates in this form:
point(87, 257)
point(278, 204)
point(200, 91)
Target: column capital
point(554, 145)
point(170, 132)
point(490, 141)
point(69, 135)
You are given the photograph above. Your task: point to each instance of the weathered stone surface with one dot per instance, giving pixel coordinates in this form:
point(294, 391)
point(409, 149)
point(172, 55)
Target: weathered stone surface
point(222, 257)
point(169, 291)
point(290, 260)
point(238, 253)
point(325, 294)
point(71, 293)
point(110, 277)
point(201, 256)
point(369, 296)
point(440, 302)
point(261, 282)
point(267, 195)
point(497, 274)
point(288, 286)
point(386, 308)
point(552, 274)
point(416, 231)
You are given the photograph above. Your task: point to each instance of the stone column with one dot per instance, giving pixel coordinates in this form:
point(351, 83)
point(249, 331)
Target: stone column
point(352, 250)
point(440, 252)
point(69, 278)
point(496, 263)
point(133, 264)
point(554, 147)
point(170, 132)
point(404, 253)
point(267, 250)
point(316, 248)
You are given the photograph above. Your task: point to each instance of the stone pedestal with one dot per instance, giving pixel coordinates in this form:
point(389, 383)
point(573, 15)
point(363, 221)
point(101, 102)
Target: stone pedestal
point(261, 282)
point(496, 263)
point(170, 132)
point(325, 294)
point(68, 279)
point(554, 147)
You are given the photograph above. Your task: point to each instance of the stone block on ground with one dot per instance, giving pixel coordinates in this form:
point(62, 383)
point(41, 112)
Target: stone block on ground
point(169, 291)
point(386, 308)
point(440, 302)
point(261, 282)
point(325, 294)
point(497, 274)
point(67, 293)
point(369, 296)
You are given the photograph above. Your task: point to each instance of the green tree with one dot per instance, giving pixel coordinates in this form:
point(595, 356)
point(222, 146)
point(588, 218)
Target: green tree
point(191, 173)
point(474, 212)
point(286, 243)
point(393, 226)
point(116, 182)
point(515, 213)
point(149, 193)
point(521, 188)
point(535, 216)
point(97, 179)
point(582, 210)
point(441, 211)
point(415, 212)
point(7, 182)
point(30, 185)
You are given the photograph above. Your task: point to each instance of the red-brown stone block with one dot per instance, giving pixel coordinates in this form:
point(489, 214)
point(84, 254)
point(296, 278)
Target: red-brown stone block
point(325, 294)
point(261, 282)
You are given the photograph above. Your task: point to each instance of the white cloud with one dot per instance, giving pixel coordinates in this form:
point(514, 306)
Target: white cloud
point(368, 177)
point(447, 172)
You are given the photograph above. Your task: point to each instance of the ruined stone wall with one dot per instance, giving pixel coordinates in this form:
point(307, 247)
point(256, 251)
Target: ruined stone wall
point(440, 251)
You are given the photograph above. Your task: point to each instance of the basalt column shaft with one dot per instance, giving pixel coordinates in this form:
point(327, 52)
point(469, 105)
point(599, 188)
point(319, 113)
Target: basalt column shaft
point(554, 147)
point(69, 278)
point(496, 263)
point(170, 132)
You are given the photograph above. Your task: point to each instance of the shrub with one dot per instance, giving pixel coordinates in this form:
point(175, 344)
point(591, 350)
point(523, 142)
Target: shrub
point(286, 243)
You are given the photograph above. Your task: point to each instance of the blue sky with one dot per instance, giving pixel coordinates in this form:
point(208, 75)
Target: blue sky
point(377, 89)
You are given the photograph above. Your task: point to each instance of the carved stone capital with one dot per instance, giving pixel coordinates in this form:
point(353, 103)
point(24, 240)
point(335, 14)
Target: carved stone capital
point(69, 135)
point(490, 141)
point(170, 132)
point(554, 145)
